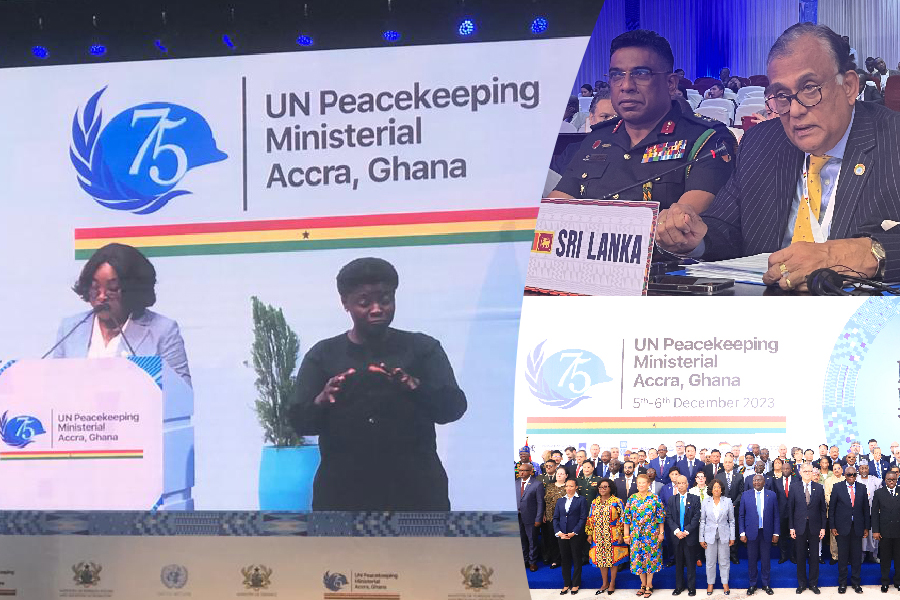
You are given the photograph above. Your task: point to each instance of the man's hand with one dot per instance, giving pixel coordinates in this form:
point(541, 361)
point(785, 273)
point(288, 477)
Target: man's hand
point(679, 229)
point(332, 387)
point(397, 375)
point(731, 542)
point(703, 545)
point(876, 537)
point(775, 539)
point(538, 524)
point(834, 532)
point(789, 268)
point(744, 538)
point(793, 534)
point(821, 534)
point(865, 533)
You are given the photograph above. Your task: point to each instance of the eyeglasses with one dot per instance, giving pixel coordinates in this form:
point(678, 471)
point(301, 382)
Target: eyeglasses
point(810, 95)
point(850, 475)
point(109, 292)
point(639, 75)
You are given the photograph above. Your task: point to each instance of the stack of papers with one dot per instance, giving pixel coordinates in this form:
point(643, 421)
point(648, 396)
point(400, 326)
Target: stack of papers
point(749, 269)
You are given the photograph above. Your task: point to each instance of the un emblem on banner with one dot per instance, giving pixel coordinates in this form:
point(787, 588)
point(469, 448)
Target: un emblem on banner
point(87, 574)
point(18, 432)
point(174, 577)
point(334, 581)
point(562, 379)
point(137, 159)
point(257, 577)
point(476, 577)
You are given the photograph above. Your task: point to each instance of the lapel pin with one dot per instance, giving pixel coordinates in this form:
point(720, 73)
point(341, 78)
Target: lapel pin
point(859, 169)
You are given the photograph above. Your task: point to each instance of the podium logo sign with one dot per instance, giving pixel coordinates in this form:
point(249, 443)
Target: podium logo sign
point(257, 577)
point(477, 577)
point(174, 577)
point(137, 159)
point(20, 431)
point(87, 574)
point(334, 581)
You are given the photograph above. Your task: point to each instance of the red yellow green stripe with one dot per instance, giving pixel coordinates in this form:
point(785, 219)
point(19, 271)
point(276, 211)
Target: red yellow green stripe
point(641, 425)
point(70, 454)
point(317, 233)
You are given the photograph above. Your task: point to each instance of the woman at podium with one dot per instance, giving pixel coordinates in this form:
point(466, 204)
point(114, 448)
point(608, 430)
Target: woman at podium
point(373, 396)
point(118, 282)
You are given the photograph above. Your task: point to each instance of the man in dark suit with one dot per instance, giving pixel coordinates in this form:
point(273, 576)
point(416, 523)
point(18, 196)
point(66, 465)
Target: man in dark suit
point(689, 465)
point(602, 469)
point(848, 512)
point(760, 469)
point(782, 490)
point(714, 467)
point(886, 528)
point(879, 465)
point(759, 530)
point(669, 490)
point(530, 494)
point(626, 483)
point(662, 463)
point(806, 518)
point(570, 463)
point(594, 458)
point(569, 517)
point(824, 132)
point(683, 524)
point(734, 487)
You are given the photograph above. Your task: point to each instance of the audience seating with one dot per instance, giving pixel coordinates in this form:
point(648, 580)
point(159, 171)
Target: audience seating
point(714, 112)
point(892, 93)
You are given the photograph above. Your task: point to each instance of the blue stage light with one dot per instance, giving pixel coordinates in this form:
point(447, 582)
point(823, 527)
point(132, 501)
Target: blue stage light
point(304, 40)
point(159, 46)
point(467, 27)
point(539, 25)
point(97, 50)
point(227, 41)
point(40, 52)
point(391, 36)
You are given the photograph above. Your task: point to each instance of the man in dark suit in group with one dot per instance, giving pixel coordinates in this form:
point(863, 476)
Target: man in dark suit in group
point(714, 467)
point(689, 465)
point(683, 525)
point(758, 531)
point(806, 518)
point(626, 483)
point(530, 494)
point(734, 487)
point(886, 528)
point(848, 512)
point(570, 463)
point(669, 490)
point(823, 132)
point(602, 469)
point(662, 463)
point(760, 469)
point(782, 490)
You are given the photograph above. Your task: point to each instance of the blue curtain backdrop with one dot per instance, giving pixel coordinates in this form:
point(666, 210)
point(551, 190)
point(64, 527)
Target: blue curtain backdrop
point(705, 35)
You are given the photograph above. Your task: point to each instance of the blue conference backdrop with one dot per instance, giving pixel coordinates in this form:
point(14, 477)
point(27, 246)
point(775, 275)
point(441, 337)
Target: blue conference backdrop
point(261, 176)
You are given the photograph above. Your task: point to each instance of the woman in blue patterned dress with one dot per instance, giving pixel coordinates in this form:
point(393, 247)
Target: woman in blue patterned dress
point(644, 519)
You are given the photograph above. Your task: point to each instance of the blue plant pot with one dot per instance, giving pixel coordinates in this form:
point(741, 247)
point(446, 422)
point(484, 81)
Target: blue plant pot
point(286, 477)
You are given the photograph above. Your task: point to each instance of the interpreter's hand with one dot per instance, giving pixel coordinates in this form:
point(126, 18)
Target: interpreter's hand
point(679, 229)
point(876, 537)
point(789, 268)
point(397, 375)
point(332, 387)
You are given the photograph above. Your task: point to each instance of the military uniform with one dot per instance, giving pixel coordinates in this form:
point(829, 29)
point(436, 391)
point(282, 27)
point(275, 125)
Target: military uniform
point(606, 160)
point(587, 488)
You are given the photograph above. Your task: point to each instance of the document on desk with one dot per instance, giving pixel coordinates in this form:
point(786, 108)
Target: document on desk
point(748, 269)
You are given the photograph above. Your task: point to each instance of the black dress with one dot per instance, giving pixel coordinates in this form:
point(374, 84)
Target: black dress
point(377, 440)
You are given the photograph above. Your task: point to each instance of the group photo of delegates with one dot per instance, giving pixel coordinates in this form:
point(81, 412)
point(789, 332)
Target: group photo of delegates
point(804, 127)
point(693, 515)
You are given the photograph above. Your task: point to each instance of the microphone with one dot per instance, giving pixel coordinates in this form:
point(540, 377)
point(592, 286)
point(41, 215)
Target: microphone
point(720, 152)
point(121, 329)
point(93, 312)
point(828, 282)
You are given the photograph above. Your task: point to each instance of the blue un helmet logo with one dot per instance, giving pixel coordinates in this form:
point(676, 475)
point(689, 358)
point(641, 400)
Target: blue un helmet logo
point(18, 432)
point(564, 378)
point(137, 159)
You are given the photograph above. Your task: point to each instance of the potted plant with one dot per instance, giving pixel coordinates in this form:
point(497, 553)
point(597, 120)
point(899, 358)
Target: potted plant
point(289, 462)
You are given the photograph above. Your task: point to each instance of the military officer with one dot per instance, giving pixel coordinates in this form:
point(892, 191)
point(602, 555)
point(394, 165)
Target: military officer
point(650, 136)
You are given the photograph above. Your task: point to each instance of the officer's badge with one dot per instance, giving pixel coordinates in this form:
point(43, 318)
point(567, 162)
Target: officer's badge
point(596, 144)
point(859, 169)
point(607, 145)
point(667, 151)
